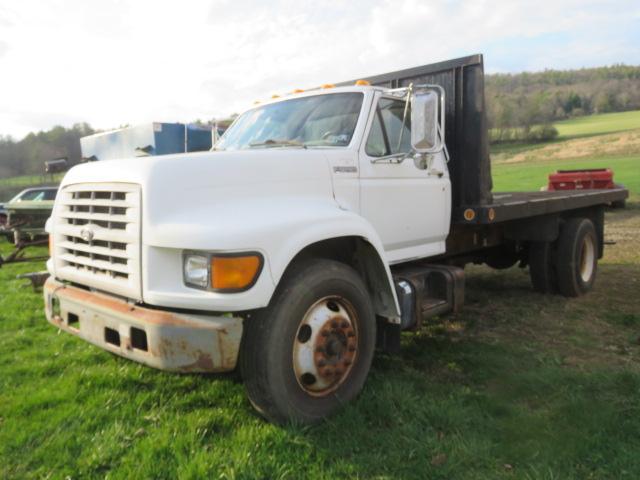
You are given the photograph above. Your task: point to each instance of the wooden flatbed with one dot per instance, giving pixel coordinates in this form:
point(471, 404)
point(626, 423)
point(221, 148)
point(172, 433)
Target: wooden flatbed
point(508, 206)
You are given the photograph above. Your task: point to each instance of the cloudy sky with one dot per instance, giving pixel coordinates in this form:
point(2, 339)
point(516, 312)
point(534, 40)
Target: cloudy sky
point(111, 62)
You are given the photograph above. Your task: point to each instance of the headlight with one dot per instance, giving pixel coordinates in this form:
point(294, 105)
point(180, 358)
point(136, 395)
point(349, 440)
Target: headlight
point(222, 272)
point(196, 270)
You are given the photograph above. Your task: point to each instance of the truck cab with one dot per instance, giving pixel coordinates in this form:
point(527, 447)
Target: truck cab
point(321, 225)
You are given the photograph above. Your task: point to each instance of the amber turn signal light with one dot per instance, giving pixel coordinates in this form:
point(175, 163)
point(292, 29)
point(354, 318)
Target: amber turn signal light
point(234, 272)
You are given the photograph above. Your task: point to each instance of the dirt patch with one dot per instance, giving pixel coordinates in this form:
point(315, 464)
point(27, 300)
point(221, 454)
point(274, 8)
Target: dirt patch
point(622, 227)
point(622, 143)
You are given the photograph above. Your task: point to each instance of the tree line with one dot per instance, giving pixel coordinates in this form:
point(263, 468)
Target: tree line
point(523, 106)
point(520, 106)
point(27, 156)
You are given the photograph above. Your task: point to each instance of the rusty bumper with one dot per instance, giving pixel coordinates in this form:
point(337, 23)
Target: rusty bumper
point(160, 339)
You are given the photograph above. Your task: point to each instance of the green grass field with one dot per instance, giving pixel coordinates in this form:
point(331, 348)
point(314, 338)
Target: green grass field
point(9, 187)
point(519, 385)
point(598, 141)
point(598, 124)
point(578, 127)
point(532, 176)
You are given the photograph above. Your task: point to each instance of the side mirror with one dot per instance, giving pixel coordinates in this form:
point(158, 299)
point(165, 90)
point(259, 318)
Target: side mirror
point(425, 109)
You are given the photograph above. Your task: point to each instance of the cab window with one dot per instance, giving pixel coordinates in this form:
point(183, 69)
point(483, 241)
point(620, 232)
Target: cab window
point(390, 132)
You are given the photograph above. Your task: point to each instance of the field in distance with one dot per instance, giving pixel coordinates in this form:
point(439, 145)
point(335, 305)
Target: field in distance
point(598, 124)
point(597, 141)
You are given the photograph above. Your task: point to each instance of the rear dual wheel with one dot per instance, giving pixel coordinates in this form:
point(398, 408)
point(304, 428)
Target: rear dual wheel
point(542, 268)
point(309, 352)
point(577, 257)
point(568, 265)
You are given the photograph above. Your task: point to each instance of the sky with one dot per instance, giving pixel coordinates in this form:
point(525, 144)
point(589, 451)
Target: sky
point(116, 62)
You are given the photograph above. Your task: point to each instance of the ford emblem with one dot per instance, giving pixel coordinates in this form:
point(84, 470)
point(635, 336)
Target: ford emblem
point(87, 234)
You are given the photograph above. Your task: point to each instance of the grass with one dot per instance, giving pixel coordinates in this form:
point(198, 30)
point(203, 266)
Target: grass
point(519, 385)
point(28, 180)
point(577, 127)
point(11, 186)
point(598, 141)
point(598, 124)
point(533, 175)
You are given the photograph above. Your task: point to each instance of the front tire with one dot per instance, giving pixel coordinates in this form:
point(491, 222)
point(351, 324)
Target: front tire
point(309, 352)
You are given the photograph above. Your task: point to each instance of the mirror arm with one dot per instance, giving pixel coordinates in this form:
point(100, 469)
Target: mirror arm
point(404, 116)
point(444, 145)
point(395, 158)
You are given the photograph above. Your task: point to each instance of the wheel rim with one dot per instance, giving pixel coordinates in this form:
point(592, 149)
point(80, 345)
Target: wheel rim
point(587, 258)
point(326, 346)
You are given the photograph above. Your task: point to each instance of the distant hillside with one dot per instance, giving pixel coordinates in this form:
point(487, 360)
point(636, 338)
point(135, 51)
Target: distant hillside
point(516, 102)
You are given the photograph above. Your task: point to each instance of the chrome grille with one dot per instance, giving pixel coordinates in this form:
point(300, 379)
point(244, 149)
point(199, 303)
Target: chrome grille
point(97, 237)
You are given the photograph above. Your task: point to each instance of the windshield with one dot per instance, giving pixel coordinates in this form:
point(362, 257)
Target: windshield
point(320, 120)
point(35, 196)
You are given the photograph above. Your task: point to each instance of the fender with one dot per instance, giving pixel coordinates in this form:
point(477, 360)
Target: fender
point(279, 228)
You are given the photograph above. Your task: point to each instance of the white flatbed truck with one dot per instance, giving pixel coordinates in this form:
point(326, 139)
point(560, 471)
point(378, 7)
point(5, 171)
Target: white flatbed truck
point(324, 224)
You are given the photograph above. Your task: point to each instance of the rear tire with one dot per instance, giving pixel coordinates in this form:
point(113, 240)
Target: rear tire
point(577, 258)
point(541, 267)
point(309, 352)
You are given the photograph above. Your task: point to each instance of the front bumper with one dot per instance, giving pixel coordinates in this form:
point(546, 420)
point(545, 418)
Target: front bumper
point(158, 338)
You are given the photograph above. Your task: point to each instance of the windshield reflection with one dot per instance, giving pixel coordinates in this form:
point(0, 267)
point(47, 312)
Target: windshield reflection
point(317, 121)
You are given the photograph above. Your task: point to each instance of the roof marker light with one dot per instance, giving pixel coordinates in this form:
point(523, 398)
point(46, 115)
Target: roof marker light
point(362, 82)
point(275, 95)
point(328, 85)
point(298, 90)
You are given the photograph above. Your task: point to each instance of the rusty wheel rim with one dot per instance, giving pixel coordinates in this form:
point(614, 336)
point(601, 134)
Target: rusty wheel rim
point(325, 346)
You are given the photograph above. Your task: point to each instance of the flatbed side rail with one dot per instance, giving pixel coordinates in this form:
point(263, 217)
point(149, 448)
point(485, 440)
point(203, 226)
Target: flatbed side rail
point(517, 205)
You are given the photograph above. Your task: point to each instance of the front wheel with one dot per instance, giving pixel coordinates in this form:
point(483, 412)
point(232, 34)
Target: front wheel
point(309, 352)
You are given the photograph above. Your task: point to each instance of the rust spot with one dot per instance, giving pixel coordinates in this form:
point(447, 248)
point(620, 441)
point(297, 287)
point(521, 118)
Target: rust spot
point(332, 355)
point(172, 348)
point(204, 363)
point(158, 317)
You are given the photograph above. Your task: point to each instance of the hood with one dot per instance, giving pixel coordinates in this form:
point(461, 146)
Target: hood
point(213, 180)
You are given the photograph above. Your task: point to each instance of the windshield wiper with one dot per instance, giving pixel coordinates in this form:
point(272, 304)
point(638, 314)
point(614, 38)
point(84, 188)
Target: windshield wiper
point(277, 143)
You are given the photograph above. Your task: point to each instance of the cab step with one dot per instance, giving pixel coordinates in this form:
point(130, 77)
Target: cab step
point(426, 291)
point(423, 291)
